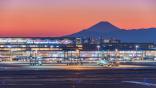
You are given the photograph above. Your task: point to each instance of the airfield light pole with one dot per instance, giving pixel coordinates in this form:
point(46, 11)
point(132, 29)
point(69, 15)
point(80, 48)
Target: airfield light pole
point(136, 50)
point(116, 54)
point(98, 47)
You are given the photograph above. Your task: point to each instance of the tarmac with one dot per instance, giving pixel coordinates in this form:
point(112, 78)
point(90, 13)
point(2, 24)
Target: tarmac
point(26, 66)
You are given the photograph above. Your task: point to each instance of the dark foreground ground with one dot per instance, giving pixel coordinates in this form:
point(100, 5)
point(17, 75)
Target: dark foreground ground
point(103, 78)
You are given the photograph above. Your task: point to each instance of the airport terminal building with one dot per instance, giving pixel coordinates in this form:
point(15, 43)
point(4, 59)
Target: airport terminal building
point(13, 48)
point(63, 48)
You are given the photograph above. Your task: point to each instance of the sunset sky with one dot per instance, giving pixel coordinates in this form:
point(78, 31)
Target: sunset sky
point(60, 17)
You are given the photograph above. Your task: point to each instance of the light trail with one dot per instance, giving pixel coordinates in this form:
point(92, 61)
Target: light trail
point(140, 83)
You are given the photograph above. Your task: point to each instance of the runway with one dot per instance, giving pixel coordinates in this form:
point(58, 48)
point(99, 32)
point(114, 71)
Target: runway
point(108, 78)
point(15, 75)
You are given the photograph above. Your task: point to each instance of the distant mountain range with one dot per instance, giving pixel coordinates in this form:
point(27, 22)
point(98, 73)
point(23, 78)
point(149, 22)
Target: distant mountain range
point(108, 31)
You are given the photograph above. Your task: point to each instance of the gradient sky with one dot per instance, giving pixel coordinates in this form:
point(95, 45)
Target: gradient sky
point(61, 17)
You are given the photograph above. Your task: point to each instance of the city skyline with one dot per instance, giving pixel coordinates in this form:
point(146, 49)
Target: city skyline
point(52, 18)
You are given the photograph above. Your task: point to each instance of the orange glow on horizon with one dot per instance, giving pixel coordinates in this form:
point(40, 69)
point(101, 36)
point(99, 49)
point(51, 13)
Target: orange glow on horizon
point(39, 18)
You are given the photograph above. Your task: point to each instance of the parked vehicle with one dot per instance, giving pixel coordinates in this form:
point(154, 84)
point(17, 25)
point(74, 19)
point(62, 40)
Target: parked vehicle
point(107, 63)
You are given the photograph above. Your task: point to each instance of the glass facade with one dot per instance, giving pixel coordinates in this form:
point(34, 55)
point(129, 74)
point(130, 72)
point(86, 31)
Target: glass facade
point(51, 49)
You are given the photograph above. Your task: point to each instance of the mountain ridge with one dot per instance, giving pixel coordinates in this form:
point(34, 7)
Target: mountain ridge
point(107, 31)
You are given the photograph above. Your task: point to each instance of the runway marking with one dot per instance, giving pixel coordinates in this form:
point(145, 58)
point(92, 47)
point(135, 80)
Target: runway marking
point(141, 83)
